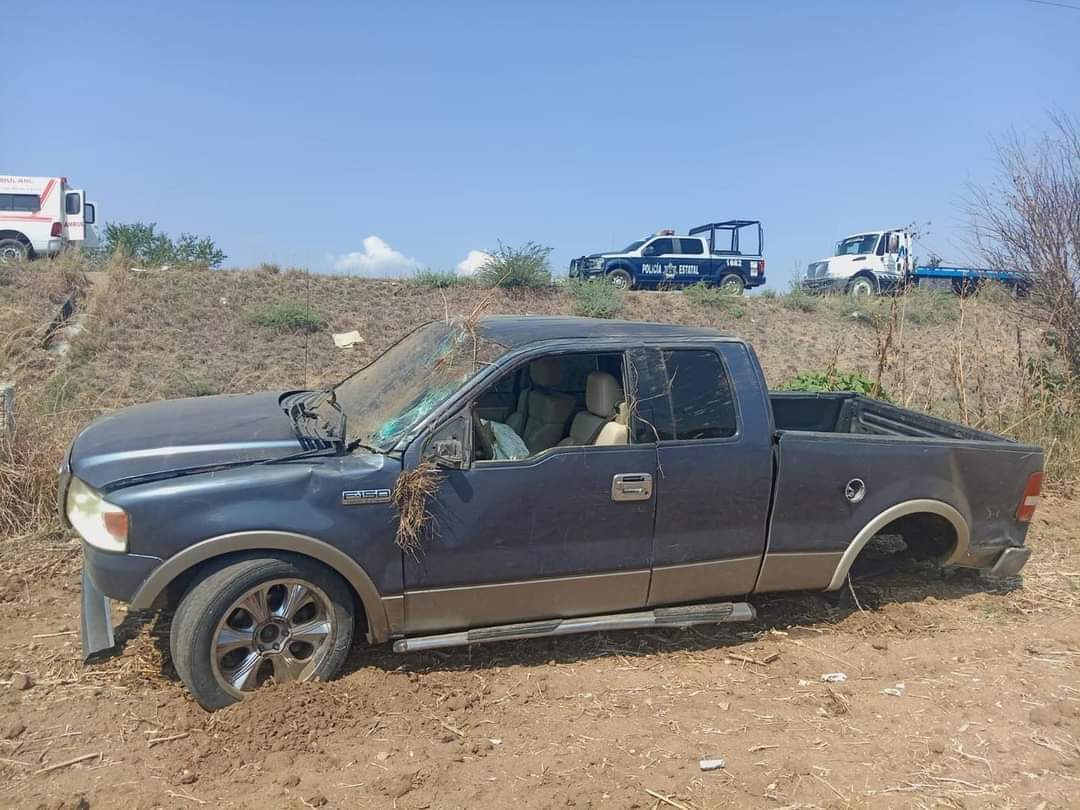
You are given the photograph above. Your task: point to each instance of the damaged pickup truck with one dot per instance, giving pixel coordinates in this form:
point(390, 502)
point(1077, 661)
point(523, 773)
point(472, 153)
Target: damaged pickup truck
point(511, 478)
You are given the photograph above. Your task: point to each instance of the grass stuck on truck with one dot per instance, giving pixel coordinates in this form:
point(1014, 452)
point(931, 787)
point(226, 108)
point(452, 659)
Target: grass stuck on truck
point(724, 254)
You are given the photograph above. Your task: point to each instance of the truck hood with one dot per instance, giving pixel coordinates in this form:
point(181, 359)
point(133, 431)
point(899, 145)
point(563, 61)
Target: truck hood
point(180, 435)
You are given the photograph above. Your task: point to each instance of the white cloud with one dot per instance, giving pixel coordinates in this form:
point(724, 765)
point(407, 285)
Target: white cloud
point(471, 263)
point(376, 259)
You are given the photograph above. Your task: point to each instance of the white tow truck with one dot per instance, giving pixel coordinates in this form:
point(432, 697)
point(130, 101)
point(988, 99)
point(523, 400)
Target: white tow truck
point(879, 262)
point(40, 216)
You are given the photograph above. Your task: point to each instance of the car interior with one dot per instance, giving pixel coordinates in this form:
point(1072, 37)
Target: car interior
point(567, 400)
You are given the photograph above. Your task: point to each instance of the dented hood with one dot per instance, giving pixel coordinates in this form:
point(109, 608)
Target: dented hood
point(177, 436)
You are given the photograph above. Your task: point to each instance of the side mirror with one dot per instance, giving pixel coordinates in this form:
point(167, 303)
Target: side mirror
point(448, 445)
point(894, 243)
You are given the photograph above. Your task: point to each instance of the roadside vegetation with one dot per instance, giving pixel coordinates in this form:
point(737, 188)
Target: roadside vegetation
point(595, 299)
point(288, 315)
point(527, 266)
point(143, 243)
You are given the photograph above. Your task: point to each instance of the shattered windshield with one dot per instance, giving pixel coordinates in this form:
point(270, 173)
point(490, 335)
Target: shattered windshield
point(385, 399)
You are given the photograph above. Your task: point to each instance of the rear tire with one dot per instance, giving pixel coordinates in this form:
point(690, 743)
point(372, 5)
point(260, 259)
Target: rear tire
point(12, 251)
point(621, 279)
point(732, 283)
point(250, 621)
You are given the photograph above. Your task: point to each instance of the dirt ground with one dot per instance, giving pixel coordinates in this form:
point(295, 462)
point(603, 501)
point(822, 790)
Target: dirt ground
point(960, 691)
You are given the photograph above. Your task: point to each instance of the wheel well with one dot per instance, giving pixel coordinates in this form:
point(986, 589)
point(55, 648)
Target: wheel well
point(925, 536)
point(863, 274)
point(174, 592)
point(16, 235)
point(625, 268)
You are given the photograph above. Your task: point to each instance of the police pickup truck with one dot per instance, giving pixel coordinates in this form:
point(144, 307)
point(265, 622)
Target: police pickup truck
point(725, 254)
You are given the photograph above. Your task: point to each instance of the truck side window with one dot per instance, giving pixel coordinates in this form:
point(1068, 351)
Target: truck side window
point(691, 247)
point(659, 247)
point(702, 406)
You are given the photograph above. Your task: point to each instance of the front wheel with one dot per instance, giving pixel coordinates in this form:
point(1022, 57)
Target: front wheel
point(12, 250)
point(862, 287)
point(732, 284)
point(620, 279)
point(258, 620)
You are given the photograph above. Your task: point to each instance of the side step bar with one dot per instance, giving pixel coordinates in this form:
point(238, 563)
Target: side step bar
point(683, 616)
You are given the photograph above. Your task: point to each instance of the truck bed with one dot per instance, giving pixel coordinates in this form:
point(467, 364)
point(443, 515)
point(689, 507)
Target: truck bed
point(853, 413)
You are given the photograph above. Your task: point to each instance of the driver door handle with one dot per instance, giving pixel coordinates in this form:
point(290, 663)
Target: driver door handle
point(631, 487)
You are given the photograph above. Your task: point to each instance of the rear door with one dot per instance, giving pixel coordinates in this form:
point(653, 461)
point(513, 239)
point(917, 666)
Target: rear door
point(74, 225)
point(714, 469)
point(691, 261)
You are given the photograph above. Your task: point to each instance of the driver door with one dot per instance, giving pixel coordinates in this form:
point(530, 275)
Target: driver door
point(554, 535)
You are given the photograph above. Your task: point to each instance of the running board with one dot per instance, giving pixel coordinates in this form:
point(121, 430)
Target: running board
point(683, 616)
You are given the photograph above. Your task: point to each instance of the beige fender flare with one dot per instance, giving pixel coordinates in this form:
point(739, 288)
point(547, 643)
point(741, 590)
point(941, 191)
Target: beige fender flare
point(339, 561)
point(915, 507)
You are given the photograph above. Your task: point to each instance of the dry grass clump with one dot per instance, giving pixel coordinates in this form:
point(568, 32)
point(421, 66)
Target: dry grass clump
point(412, 493)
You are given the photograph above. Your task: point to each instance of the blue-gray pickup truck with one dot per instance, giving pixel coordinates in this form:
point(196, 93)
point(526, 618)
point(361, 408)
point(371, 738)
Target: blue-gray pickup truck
point(507, 478)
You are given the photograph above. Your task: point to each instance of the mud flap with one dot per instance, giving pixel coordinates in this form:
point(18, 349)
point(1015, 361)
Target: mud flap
point(97, 629)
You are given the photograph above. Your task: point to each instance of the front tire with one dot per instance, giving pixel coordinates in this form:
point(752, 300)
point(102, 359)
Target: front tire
point(248, 622)
point(12, 250)
point(621, 279)
point(862, 287)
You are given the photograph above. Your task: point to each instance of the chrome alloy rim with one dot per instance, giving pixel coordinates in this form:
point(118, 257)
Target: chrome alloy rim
point(280, 630)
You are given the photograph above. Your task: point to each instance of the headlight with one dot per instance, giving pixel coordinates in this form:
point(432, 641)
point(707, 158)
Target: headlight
point(101, 524)
point(596, 264)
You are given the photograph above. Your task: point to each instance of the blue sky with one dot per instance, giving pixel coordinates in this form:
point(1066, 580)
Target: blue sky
point(363, 135)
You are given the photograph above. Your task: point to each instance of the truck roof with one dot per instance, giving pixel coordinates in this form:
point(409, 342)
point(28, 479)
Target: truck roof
point(513, 331)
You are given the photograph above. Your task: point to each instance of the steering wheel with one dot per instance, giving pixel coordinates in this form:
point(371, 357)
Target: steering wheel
point(482, 435)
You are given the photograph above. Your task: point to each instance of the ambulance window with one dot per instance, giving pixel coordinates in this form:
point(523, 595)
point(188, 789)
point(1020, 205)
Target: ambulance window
point(19, 202)
point(71, 204)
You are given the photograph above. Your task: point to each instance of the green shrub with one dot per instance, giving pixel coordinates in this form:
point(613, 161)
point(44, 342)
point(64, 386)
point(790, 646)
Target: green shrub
point(768, 295)
point(799, 301)
point(440, 279)
point(525, 266)
point(141, 242)
point(596, 299)
point(833, 380)
point(706, 295)
point(288, 316)
point(929, 307)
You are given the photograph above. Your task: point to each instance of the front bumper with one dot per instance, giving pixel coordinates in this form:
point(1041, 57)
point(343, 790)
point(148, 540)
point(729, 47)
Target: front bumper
point(824, 284)
point(108, 575)
point(96, 624)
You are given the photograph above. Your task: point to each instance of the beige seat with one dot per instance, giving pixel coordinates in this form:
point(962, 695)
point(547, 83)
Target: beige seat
point(601, 423)
point(542, 413)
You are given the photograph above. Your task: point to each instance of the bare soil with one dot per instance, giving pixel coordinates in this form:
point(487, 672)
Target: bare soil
point(960, 691)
